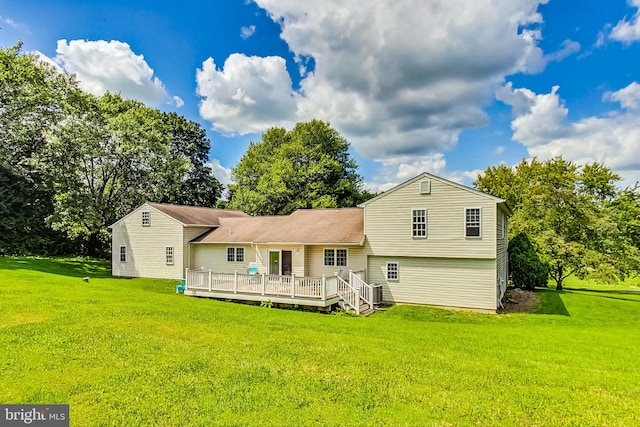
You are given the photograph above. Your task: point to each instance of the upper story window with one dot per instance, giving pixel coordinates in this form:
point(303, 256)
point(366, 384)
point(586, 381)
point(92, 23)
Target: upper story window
point(419, 222)
point(472, 222)
point(335, 257)
point(169, 255)
point(123, 254)
point(235, 254)
point(146, 218)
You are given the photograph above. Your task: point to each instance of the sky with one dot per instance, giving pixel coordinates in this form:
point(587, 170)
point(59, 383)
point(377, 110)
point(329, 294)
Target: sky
point(448, 87)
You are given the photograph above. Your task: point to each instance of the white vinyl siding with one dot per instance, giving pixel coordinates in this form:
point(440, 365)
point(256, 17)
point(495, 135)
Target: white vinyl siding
point(448, 282)
point(336, 257)
point(169, 255)
point(147, 246)
point(388, 223)
point(123, 254)
point(419, 223)
point(146, 218)
point(473, 222)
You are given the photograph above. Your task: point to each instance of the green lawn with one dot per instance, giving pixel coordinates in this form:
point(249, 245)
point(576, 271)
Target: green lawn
point(132, 352)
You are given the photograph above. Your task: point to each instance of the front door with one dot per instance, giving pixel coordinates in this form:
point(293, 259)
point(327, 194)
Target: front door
point(274, 262)
point(287, 264)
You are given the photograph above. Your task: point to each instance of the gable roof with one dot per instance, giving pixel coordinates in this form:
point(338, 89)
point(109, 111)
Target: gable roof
point(443, 181)
point(188, 215)
point(192, 215)
point(306, 226)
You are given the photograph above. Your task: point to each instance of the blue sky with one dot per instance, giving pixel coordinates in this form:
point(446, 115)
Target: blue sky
point(444, 86)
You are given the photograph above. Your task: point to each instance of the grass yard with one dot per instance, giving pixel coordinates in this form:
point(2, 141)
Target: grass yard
point(133, 353)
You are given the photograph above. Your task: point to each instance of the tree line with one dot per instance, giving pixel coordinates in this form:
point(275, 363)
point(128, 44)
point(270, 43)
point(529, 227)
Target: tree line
point(72, 163)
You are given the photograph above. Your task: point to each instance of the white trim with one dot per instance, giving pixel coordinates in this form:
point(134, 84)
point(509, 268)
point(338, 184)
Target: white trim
point(479, 236)
point(123, 253)
point(426, 223)
point(169, 252)
point(279, 251)
point(234, 255)
point(145, 219)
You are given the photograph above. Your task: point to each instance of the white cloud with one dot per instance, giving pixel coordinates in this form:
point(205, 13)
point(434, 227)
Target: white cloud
point(540, 123)
point(628, 97)
point(111, 66)
point(498, 150)
point(249, 94)
point(222, 174)
point(179, 103)
point(569, 47)
point(397, 170)
point(10, 22)
point(628, 30)
point(246, 32)
point(397, 77)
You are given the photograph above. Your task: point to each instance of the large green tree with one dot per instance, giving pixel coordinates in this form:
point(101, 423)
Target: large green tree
point(568, 210)
point(306, 167)
point(32, 96)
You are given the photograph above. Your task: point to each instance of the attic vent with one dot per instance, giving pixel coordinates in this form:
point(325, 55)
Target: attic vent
point(425, 187)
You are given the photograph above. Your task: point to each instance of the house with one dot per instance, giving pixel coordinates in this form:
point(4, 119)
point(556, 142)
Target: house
point(153, 240)
point(426, 241)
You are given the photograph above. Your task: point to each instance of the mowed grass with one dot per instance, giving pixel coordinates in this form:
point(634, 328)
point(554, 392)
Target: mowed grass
point(130, 352)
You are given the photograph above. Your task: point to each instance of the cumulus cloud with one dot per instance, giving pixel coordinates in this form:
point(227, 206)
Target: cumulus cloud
point(397, 170)
point(569, 47)
point(627, 30)
point(249, 94)
point(397, 78)
point(246, 32)
point(222, 174)
point(540, 123)
point(111, 66)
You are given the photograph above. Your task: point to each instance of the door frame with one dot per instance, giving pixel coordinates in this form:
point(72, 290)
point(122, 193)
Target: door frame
point(279, 252)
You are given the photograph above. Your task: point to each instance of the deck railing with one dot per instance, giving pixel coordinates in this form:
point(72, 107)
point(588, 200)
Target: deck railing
point(349, 294)
point(262, 284)
point(365, 289)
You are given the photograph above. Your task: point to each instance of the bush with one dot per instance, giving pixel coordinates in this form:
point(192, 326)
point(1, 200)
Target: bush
point(525, 267)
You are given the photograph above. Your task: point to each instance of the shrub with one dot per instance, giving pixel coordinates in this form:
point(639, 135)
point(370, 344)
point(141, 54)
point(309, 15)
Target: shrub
point(525, 267)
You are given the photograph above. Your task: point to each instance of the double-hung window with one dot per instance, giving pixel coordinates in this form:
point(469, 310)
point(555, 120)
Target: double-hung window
point(169, 255)
point(235, 254)
point(335, 257)
point(472, 222)
point(419, 222)
point(123, 254)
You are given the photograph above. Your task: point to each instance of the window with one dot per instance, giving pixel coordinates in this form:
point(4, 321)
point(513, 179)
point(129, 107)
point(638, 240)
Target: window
point(146, 218)
point(392, 271)
point(419, 222)
point(235, 254)
point(335, 257)
point(472, 222)
point(123, 254)
point(169, 255)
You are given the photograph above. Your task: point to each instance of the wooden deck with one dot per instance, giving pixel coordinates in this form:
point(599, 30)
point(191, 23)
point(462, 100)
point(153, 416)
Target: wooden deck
point(310, 291)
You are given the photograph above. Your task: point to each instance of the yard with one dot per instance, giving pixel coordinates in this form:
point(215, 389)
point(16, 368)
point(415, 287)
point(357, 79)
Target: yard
point(129, 352)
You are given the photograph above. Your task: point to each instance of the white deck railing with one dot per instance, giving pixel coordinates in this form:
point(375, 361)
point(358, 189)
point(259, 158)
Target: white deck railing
point(262, 284)
point(365, 289)
point(349, 294)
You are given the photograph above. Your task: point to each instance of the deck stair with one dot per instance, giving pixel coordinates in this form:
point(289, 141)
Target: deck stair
point(356, 294)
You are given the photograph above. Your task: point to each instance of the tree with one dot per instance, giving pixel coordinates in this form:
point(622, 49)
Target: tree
point(525, 267)
point(567, 210)
point(307, 167)
point(32, 95)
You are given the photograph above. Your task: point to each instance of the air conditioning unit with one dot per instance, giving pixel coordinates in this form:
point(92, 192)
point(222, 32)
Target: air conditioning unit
point(425, 187)
point(377, 294)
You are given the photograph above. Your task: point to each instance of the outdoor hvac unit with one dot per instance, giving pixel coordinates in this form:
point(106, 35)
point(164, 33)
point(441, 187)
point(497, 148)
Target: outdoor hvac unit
point(377, 294)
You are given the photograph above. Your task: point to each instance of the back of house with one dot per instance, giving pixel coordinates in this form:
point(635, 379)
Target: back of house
point(433, 241)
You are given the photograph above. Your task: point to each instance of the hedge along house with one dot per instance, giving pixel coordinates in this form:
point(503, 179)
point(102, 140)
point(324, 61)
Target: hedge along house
point(426, 241)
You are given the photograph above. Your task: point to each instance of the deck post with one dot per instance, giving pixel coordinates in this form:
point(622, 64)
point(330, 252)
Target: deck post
point(235, 282)
point(262, 280)
point(323, 291)
point(293, 285)
point(186, 278)
point(210, 282)
point(351, 277)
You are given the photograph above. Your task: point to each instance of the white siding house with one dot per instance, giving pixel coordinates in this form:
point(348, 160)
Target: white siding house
point(433, 241)
point(426, 241)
